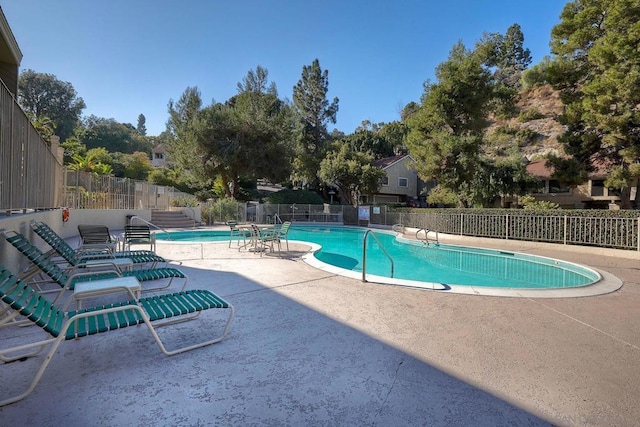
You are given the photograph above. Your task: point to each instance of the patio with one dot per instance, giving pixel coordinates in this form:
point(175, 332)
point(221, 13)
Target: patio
point(311, 348)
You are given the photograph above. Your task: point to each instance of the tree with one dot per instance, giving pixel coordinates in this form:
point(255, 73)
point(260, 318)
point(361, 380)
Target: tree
point(446, 133)
point(507, 54)
point(181, 141)
point(92, 161)
point(246, 138)
point(137, 165)
point(367, 138)
point(314, 112)
point(44, 96)
point(141, 128)
point(258, 82)
point(596, 68)
point(351, 171)
point(250, 136)
point(112, 135)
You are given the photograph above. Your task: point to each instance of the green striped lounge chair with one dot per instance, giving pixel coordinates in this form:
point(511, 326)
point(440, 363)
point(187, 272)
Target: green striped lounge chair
point(68, 279)
point(73, 257)
point(61, 326)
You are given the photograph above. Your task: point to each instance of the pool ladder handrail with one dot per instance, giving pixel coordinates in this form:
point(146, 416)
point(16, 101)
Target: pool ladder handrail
point(150, 224)
point(364, 254)
point(426, 235)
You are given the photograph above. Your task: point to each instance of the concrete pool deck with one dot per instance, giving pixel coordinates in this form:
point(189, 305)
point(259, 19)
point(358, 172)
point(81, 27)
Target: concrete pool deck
point(309, 347)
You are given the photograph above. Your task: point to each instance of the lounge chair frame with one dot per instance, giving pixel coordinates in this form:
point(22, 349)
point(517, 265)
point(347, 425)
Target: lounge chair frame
point(75, 257)
point(66, 279)
point(156, 311)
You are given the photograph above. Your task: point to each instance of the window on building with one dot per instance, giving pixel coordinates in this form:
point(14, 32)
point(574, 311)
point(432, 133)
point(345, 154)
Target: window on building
point(403, 182)
point(556, 187)
point(384, 181)
point(158, 155)
point(597, 187)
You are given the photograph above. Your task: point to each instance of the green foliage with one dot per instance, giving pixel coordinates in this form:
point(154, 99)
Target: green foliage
point(250, 136)
point(43, 125)
point(288, 196)
point(258, 82)
point(181, 143)
point(442, 196)
point(137, 166)
point(529, 203)
point(112, 135)
point(223, 210)
point(596, 68)
point(44, 96)
point(351, 171)
point(90, 162)
point(507, 54)
point(141, 127)
point(537, 75)
point(314, 112)
point(526, 136)
point(185, 201)
point(530, 114)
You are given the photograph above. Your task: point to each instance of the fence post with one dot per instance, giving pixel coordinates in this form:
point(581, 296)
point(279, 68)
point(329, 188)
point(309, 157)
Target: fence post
point(564, 236)
point(461, 224)
point(506, 228)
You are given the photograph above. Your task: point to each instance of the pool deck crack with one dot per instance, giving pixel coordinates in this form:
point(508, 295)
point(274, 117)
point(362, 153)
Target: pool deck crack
point(635, 347)
point(393, 384)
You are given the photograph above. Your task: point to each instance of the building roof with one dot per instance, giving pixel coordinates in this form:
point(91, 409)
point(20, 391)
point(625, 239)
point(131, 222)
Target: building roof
point(9, 50)
point(388, 161)
point(539, 169)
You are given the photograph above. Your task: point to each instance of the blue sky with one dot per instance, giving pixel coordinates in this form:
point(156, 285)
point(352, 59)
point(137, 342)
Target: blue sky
point(126, 57)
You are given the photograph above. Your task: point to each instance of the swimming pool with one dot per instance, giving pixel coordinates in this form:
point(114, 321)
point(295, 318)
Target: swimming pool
point(414, 261)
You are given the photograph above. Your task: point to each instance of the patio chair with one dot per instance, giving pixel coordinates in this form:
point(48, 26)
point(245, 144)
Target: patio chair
point(76, 257)
point(67, 280)
point(60, 326)
point(138, 235)
point(234, 231)
point(283, 233)
point(97, 236)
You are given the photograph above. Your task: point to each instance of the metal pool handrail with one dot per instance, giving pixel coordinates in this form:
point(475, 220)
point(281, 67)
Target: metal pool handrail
point(364, 254)
point(426, 235)
point(151, 225)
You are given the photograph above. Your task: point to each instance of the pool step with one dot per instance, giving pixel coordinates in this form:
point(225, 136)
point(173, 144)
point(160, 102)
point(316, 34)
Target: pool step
point(171, 219)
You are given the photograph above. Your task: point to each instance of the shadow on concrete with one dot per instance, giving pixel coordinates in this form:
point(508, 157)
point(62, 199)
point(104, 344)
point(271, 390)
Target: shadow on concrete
point(282, 364)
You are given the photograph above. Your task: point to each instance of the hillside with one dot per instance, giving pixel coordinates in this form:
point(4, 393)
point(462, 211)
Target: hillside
point(534, 132)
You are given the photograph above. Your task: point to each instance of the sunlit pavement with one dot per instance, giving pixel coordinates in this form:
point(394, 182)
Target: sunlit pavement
point(308, 347)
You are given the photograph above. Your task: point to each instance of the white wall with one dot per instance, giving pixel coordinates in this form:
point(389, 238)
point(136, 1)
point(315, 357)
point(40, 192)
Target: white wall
point(115, 219)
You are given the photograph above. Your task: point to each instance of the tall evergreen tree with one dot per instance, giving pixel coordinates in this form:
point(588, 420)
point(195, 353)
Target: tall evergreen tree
point(314, 112)
point(447, 131)
point(141, 127)
point(596, 67)
point(258, 82)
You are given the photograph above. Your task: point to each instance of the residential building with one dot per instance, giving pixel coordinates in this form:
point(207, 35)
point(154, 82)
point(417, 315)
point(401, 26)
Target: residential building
point(590, 195)
point(400, 185)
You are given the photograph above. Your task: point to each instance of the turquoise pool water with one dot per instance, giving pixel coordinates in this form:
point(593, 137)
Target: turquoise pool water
point(445, 264)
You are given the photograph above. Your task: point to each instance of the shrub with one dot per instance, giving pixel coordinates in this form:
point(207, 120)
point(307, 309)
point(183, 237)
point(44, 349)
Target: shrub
point(185, 201)
point(530, 114)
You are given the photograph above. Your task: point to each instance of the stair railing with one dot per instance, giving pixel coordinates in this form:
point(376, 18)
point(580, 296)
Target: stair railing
point(364, 254)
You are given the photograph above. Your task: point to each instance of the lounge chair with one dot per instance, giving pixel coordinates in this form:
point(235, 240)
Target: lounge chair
point(61, 326)
point(66, 280)
point(75, 258)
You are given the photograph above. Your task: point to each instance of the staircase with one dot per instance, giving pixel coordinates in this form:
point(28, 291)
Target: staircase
point(171, 219)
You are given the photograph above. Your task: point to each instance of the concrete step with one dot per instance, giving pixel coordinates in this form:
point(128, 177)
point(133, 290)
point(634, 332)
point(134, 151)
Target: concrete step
point(171, 219)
